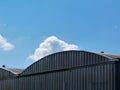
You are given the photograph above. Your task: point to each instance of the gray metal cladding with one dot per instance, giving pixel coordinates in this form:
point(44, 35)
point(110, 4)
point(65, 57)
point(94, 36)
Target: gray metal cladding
point(66, 59)
point(99, 77)
point(69, 70)
point(6, 74)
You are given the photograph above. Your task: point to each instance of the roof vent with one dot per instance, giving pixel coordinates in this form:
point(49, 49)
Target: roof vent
point(102, 52)
point(3, 66)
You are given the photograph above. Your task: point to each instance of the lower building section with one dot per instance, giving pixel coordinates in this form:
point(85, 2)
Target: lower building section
point(89, 77)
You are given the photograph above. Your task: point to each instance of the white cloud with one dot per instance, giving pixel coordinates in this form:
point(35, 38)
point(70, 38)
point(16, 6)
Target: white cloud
point(4, 44)
point(51, 45)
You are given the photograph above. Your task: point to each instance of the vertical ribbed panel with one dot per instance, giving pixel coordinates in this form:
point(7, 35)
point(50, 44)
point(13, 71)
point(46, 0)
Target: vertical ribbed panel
point(64, 60)
point(4, 74)
point(101, 77)
point(66, 71)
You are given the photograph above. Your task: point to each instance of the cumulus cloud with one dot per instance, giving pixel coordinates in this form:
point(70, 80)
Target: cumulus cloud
point(51, 45)
point(4, 44)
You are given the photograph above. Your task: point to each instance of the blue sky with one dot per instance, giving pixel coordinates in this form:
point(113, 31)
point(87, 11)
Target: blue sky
point(92, 25)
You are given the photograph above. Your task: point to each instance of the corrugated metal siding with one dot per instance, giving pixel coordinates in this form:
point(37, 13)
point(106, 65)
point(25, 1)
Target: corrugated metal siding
point(64, 60)
point(66, 71)
point(118, 76)
point(99, 77)
point(4, 74)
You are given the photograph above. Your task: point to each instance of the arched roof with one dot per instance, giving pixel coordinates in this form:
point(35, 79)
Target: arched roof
point(67, 59)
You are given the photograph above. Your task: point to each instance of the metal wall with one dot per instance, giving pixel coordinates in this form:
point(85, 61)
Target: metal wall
point(118, 75)
point(98, 77)
point(5, 74)
point(63, 60)
point(72, 70)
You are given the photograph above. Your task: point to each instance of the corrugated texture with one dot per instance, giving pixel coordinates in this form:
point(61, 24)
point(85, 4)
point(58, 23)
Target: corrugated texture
point(6, 74)
point(70, 70)
point(63, 60)
point(113, 57)
point(9, 73)
point(99, 77)
point(15, 70)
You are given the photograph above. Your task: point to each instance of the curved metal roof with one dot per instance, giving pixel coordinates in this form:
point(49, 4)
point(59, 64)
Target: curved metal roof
point(60, 60)
point(63, 58)
point(48, 63)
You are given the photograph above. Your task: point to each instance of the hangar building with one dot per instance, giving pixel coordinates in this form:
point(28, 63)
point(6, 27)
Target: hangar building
point(67, 70)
